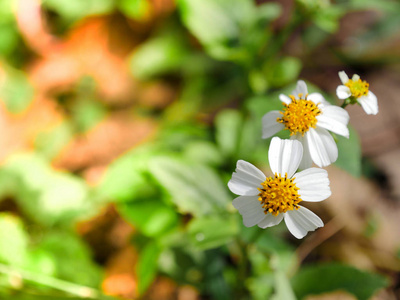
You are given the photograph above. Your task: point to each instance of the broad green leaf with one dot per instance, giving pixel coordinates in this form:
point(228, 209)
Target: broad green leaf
point(151, 216)
point(349, 153)
point(147, 266)
point(13, 240)
point(283, 71)
point(314, 280)
point(68, 257)
point(125, 178)
point(77, 9)
point(135, 9)
point(45, 195)
point(8, 37)
point(203, 152)
point(194, 188)
point(159, 55)
point(212, 232)
point(283, 289)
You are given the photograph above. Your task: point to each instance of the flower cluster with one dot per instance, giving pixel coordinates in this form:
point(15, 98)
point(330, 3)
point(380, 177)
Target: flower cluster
point(266, 201)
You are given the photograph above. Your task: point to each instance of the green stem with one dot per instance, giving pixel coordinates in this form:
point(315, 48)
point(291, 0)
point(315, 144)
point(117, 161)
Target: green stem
point(345, 103)
point(65, 286)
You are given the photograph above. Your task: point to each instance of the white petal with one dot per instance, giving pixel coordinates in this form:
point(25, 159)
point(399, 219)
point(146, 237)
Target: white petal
point(285, 99)
point(317, 98)
point(323, 149)
point(284, 156)
point(269, 124)
point(343, 92)
point(355, 77)
point(250, 208)
point(301, 221)
point(343, 77)
point(369, 103)
point(313, 184)
point(335, 119)
point(301, 88)
point(270, 220)
point(306, 160)
point(246, 179)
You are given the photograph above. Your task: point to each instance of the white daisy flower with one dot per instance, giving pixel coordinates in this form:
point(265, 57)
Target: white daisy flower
point(308, 117)
point(356, 90)
point(266, 201)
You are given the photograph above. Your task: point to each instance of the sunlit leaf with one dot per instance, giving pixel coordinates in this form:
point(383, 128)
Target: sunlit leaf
point(13, 240)
point(212, 232)
point(146, 268)
point(314, 280)
point(194, 188)
point(151, 216)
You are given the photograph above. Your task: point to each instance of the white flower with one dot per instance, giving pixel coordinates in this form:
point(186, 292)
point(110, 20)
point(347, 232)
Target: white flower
point(267, 201)
point(358, 91)
point(308, 118)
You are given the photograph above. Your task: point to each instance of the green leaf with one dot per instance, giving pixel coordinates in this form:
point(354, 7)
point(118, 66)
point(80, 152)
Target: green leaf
point(77, 9)
point(13, 240)
point(194, 188)
point(283, 290)
point(15, 90)
point(159, 55)
point(349, 153)
point(203, 152)
point(314, 280)
point(228, 125)
point(45, 195)
point(147, 266)
point(283, 71)
point(126, 179)
point(212, 232)
point(151, 216)
point(135, 9)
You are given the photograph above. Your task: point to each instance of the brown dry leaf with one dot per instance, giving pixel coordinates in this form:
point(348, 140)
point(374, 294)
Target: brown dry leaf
point(106, 141)
point(337, 295)
point(120, 278)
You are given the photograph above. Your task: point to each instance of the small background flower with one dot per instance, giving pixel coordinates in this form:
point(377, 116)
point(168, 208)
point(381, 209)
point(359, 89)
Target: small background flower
point(355, 90)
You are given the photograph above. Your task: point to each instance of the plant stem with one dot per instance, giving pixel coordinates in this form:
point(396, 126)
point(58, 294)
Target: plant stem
point(65, 286)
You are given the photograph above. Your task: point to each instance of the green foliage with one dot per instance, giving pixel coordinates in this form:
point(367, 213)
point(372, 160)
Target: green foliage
point(314, 280)
point(13, 240)
point(194, 188)
point(147, 266)
point(48, 197)
point(212, 232)
point(349, 153)
point(15, 89)
point(164, 53)
point(135, 9)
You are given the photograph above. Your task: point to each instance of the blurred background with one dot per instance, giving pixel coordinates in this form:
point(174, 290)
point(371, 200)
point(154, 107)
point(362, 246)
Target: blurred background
point(121, 122)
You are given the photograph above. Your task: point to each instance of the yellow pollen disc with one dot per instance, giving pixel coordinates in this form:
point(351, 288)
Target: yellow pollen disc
point(358, 88)
point(299, 115)
point(279, 194)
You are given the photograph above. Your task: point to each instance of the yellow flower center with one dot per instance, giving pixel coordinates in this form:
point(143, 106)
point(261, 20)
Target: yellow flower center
point(279, 194)
point(358, 88)
point(299, 115)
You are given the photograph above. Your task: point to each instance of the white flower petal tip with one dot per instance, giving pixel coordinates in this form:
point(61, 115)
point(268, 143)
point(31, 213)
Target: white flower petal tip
point(285, 99)
point(322, 146)
point(301, 88)
point(313, 184)
point(301, 221)
point(246, 179)
point(343, 77)
point(369, 103)
point(284, 156)
point(343, 92)
point(335, 119)
point(270, 126)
